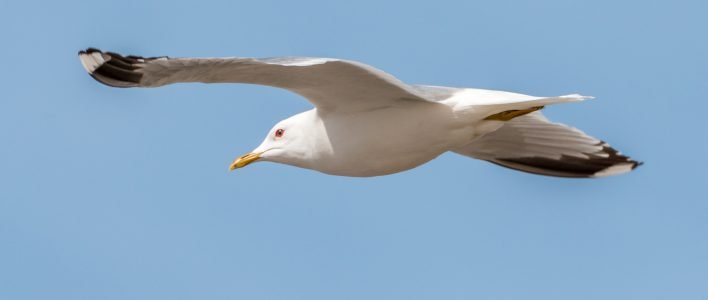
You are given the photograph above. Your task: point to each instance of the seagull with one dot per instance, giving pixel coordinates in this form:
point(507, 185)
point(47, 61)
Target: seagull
point(366, 122)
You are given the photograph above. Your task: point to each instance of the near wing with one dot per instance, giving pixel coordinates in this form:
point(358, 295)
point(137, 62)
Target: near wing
point(330, 84)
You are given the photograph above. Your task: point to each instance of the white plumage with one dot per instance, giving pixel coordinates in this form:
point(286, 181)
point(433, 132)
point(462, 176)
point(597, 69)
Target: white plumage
point(367, 123)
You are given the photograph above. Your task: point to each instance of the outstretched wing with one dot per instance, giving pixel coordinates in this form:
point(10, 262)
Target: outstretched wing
point(533, 144)
point(330, 84)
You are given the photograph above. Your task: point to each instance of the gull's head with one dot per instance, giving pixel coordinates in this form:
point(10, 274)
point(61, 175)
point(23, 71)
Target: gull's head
point(285, 143)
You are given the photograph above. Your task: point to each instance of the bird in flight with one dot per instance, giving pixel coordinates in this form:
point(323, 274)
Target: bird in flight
point(365, 122)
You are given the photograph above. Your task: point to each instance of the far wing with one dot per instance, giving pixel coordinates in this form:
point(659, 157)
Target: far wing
point(533, 144)
point(330, 84)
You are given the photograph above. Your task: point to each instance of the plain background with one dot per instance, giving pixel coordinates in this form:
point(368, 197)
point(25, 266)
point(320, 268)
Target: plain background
point(124, 193)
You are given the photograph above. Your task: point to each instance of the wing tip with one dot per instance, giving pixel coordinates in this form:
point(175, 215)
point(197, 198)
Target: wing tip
point(110, 68)
point(618, 169)
point(622, 163)
point(91, 59)
point(607, 162)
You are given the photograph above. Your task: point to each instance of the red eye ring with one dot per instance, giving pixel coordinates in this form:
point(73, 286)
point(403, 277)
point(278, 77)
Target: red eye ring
point(279, 132)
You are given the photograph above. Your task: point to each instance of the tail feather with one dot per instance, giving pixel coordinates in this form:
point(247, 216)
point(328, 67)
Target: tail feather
point(532, 144)
point(502, 106)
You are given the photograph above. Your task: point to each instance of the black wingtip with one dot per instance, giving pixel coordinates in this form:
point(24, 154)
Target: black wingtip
point(606, 162)
point(110, 68)
point(637, 164)
point(89, 50)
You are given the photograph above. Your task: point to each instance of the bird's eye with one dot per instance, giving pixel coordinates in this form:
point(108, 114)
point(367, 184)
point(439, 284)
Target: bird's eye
point(279, 133)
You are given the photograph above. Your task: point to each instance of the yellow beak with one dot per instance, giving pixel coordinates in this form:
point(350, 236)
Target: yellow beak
point(244, 160)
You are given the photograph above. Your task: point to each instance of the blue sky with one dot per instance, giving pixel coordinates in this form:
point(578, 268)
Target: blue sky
point(124, 193)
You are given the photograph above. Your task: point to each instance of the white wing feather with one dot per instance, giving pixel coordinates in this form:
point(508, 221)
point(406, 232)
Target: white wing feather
point(330, 84)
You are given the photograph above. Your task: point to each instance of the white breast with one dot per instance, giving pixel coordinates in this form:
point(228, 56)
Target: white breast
point(384, 141)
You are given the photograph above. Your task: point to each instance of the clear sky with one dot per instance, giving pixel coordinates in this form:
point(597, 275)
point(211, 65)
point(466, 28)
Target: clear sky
point(124, 193)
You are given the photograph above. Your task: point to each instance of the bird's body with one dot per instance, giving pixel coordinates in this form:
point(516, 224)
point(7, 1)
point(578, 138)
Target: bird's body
point(367, 123)
point(402, 137)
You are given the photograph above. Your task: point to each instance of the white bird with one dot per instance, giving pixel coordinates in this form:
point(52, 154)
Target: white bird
point(368, 123)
